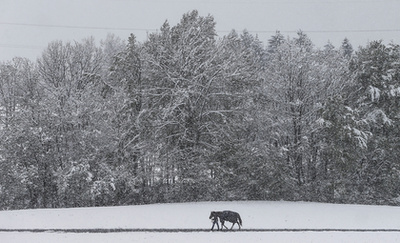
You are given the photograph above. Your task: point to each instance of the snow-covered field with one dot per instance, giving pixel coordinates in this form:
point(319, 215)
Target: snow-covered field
point(255, 215)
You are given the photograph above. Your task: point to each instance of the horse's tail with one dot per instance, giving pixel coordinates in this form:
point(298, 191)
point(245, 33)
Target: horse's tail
point(240, 220)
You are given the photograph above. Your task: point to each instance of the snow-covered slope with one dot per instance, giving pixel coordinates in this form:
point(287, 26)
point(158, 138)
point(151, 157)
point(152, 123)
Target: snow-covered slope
point(255, 215)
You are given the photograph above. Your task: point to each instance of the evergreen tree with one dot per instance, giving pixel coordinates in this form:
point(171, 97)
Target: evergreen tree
point(329, 47)
point(275, 41)
point(346, 48)
point(377, 70)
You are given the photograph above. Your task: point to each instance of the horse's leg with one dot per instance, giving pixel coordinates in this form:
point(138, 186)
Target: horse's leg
point(232, 225)
point(223, 225)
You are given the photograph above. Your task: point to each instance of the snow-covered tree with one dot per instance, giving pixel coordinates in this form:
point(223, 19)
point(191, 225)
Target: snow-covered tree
point(275, 41)
point(378, 78)
point(346, 48)
point(300, 83)
point(19, 103)
point(180, 70)
point(71, 76)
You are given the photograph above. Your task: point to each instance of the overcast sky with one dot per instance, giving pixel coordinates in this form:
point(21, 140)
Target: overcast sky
point(27, 26)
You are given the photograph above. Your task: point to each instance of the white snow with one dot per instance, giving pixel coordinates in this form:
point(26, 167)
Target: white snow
point(246, 237)
point(255, 215)
point(374, 92)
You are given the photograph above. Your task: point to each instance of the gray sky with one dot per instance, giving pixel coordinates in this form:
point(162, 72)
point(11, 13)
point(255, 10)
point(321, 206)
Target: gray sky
point(27, 26)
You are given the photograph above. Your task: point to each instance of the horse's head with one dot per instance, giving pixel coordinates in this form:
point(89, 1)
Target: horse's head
point(212, 215)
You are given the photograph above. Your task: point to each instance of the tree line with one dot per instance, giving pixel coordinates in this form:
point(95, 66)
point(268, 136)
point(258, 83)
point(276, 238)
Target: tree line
point(189, 116)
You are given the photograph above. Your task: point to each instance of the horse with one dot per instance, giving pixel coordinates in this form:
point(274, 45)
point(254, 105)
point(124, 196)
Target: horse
point(223, 216)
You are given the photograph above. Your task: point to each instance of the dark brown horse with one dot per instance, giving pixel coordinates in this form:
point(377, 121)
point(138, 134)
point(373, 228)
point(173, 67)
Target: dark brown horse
point(223, 216)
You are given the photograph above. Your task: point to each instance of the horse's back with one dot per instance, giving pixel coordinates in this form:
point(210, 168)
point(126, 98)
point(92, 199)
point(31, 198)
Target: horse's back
point(230, 215)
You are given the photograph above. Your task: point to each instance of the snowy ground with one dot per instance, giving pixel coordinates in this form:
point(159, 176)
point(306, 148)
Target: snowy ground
point(255, 215)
